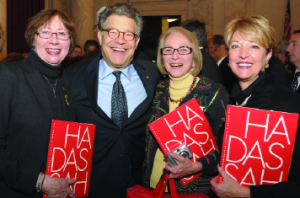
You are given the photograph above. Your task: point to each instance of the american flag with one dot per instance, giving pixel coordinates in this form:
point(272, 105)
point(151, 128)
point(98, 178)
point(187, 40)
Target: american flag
point(287, 23)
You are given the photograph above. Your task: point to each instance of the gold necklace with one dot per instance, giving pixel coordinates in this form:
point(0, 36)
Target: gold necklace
point(53, 87)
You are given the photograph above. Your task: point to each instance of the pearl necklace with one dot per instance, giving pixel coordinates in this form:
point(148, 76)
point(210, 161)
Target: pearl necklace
point(189, 91)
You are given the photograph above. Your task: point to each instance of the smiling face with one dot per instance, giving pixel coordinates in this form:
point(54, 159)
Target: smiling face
point(118, 53)
point(178, 65)
point(246, 59)
point(294, 50)
point(52, 50)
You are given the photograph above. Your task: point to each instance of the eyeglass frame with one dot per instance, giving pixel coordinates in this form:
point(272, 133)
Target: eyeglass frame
point(38, 34)
point(134, 34)
point(191, 50)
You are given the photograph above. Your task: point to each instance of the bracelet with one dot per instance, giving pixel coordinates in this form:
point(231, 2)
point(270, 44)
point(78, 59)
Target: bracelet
point(43, 182)
point(40, 182)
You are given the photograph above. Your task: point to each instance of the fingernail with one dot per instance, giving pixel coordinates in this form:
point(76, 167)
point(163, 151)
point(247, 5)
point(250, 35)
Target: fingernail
point(219, 165)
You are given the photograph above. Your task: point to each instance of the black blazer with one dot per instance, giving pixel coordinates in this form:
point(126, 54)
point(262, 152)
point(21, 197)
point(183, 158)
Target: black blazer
point(210, 68)
point(25, 122)
point(112, 145)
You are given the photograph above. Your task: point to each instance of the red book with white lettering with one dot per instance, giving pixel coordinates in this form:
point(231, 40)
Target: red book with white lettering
point(70, 153)
point(186, 124)
point(258, 145)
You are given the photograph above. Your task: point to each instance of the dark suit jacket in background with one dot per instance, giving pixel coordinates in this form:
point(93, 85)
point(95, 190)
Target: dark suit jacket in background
point(210, 68)
point(111, 142)
point(25, 122)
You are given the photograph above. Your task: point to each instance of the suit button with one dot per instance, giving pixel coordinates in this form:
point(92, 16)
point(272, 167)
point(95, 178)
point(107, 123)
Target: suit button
point(121, 156)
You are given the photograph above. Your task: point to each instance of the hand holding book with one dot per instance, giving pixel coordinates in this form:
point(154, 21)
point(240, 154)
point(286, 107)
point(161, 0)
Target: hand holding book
point(229, 187)
point(58, 187)
point(185, 167)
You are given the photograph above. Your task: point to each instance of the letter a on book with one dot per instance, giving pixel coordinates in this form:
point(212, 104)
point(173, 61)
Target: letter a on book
point(258, 145)
point(70, 153)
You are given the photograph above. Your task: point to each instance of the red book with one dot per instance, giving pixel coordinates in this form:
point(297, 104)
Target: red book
point(186, 124)
point(258, 145)
point(70, 153)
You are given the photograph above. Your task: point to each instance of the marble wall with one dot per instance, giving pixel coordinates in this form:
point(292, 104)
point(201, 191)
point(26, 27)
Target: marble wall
point(215, 13)
point(4, 26)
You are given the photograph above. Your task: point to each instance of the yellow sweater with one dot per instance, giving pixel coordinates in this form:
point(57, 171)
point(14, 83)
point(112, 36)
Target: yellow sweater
point(178, 88)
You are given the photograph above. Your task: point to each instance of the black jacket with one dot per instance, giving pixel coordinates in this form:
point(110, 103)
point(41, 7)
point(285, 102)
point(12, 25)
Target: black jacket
point(270, 95)
point(25, 121)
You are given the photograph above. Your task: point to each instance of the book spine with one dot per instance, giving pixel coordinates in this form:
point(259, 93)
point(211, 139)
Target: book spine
point(225, 141)
point(162, 146)
point(50, 151)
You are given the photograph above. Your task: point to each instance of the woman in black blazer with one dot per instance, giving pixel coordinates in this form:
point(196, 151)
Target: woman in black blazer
point(250, 41)
point(31, 95)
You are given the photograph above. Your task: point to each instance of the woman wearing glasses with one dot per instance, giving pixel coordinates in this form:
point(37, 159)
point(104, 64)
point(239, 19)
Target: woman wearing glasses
point(179, 57)
point(31, 96)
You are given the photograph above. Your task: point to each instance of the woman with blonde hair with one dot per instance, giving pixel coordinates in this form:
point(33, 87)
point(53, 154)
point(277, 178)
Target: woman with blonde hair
point(179, 57)
point(250, 41)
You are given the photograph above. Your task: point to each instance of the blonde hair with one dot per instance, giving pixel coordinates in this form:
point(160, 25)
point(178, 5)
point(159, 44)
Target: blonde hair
point(197, 56)
point(254, 28)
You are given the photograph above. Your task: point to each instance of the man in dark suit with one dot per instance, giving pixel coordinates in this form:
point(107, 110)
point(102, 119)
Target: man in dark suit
point(217, 48)
point(209, 67)
point(119, 145)
point(294, 52)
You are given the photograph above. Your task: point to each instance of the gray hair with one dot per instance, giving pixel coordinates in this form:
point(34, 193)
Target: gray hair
point(282, 46)
point(121, 9)
point(98, 14)
point(197, 28)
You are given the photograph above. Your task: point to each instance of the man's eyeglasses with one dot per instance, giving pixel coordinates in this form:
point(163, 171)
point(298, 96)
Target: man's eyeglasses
point(113, 34)
point(75, 52)
point(60, 35)
point(184, 50)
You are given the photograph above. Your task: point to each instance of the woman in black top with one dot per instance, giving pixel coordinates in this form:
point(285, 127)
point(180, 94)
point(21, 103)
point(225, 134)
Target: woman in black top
point(250, 41)
point(31, 96)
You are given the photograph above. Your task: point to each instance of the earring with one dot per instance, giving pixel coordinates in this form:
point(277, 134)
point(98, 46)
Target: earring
point(228, 65)
point(267, 64)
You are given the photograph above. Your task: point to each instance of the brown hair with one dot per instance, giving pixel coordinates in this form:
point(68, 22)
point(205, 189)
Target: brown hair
point(43, 18)
point(255, 28)
point(197, 56)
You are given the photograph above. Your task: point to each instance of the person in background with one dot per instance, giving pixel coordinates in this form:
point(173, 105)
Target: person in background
point(217, 48)
point(114, 91)
point(281, 52)
point(209, 67)
point(294, 53)
point(76, 52)
point(250, 41)
point(2, 38)
point(91, 46)
point(30, 98)
point(13, 57)
point(180, 58)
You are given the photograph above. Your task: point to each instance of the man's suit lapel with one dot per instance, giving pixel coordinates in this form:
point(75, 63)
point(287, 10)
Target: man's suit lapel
point(91, 84)
point(35, 79)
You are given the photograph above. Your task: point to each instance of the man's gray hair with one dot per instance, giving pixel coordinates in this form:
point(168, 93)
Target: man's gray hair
point(282, 46)
point(197, 28)
point(121, 9)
